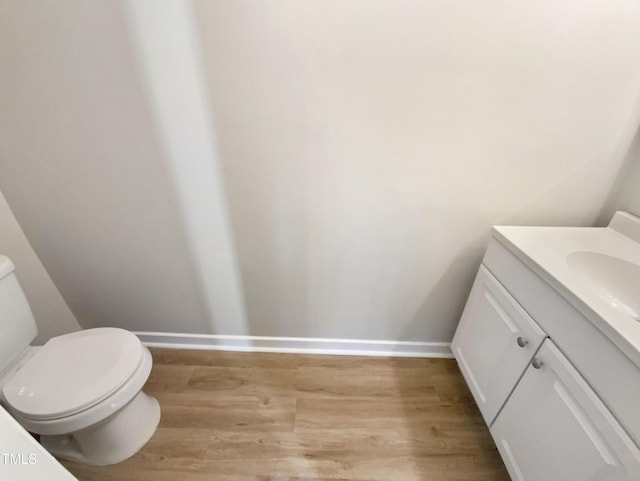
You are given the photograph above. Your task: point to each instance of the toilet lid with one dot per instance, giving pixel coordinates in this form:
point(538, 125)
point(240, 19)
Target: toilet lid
point(73, 372)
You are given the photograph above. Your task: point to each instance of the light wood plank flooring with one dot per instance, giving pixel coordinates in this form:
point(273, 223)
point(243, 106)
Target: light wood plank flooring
point(246, 416)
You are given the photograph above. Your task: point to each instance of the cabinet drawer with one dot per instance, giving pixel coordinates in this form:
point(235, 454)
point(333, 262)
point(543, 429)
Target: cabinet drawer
point(554, 427)
point(494, 343)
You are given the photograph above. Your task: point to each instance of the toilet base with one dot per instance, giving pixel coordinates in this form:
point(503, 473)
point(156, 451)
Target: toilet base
point(115, 439)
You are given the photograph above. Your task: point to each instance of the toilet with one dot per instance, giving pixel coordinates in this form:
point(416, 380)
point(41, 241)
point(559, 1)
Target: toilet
point(81, 392)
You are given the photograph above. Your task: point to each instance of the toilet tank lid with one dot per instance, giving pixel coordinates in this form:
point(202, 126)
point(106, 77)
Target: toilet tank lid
point(6, 266)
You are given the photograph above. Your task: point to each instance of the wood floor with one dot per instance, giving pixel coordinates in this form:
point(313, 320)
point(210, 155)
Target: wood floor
point(288, 417)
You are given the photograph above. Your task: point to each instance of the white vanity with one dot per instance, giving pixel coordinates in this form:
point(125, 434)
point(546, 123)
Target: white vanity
point(549, 344)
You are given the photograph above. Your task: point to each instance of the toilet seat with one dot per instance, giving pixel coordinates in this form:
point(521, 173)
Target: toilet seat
point(73, 372)
point(97, 413)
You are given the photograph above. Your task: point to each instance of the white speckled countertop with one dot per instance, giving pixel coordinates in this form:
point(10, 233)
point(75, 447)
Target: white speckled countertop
point(545, 250)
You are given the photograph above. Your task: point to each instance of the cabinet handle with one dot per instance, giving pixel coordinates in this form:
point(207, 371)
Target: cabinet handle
point(522, 341)
point(537, 363)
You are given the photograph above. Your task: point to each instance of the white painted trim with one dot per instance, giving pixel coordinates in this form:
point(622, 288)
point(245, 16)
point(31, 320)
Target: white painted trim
point(301, 345)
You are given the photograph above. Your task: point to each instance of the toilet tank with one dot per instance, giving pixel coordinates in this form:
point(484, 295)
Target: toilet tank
point(17, 325)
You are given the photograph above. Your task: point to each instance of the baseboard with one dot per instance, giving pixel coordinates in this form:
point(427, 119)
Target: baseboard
point(301, 345)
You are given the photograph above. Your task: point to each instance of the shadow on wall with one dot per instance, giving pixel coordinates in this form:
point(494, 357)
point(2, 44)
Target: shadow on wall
point(180, 107)
point(446, 297)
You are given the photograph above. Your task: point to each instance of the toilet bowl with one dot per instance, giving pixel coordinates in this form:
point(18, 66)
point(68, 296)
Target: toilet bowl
point(81, 392)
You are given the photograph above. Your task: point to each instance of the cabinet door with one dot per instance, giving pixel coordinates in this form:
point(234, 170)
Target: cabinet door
point(554, 427)
point(494, 343)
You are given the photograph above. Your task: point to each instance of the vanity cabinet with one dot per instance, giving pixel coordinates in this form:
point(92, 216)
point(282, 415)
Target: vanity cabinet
point(494, 343)
point(554, 427)
point(525, 355)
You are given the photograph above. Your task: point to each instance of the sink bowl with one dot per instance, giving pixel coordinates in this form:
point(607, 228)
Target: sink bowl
point(615, 280)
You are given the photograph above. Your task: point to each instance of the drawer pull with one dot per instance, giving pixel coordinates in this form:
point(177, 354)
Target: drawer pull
point(536, 363)
point(522, 341)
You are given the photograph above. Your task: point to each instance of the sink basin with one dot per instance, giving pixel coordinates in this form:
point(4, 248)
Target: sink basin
point(615, 280)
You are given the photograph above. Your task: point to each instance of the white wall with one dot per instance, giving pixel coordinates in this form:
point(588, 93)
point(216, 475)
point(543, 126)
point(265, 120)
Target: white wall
point(165, 40)
point(366, 148)
point(81, 167)
point(368, 145)
point(49, 309)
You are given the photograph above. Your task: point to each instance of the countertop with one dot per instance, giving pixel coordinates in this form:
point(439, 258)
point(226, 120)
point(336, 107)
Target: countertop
point(545, 250)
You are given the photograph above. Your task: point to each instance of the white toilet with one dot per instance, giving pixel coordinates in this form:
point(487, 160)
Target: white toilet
point(82, 392)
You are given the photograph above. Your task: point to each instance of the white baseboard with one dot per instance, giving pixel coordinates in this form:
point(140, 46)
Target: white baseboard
point(301, 345)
